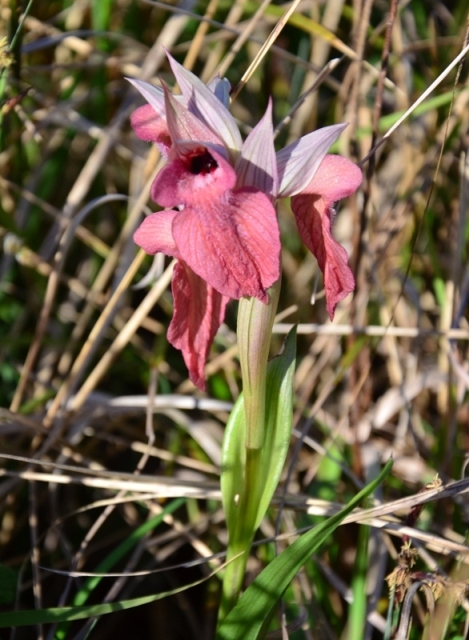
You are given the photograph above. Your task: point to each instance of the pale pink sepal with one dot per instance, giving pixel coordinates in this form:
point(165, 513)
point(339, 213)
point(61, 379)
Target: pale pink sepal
point(202, 102)
point(335, 179)
point(256, 166)
point(153, 95)
point(154, 235)
point(298, 162)
point(199, 311)
point(184, 125)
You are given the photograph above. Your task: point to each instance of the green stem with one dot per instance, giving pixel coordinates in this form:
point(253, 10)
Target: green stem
point(255, 322)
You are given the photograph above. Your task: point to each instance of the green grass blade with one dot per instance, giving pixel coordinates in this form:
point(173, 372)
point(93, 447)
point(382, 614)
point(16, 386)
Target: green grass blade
point(357, 611)
point(8, 584)
point(119, 552)
point(116, 554)
point(246, 620)
point(101, 11)
point(69, 614)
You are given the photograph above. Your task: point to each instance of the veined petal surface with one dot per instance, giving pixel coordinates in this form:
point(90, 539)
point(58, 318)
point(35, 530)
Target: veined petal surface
point(184, 125)
point(153, 95)
point(155, 234)
point(203, 103)
point(256, 166)
point(229, 237)
point(335, 179)
point(199, 311)
point(233, 244)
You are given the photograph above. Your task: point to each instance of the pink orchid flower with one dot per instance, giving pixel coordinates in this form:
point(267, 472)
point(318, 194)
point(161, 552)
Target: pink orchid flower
point(219, 196)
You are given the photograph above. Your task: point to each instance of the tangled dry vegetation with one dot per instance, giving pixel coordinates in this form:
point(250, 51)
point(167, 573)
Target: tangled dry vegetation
point(110, 458)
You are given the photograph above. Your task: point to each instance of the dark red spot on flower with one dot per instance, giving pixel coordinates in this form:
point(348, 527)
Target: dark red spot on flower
point(202, 163)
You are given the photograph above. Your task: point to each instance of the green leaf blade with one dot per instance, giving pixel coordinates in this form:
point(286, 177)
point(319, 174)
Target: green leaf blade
point(246, 620)
point(279, 413)
point(233, 462)
point(279, 416)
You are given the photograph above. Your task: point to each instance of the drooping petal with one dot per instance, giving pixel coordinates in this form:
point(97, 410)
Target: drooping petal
point(199, 311)
point(230, 238)
point(314, 222)
point(154, 235)
point(298, 162)
point(204, 104)
point(256, 166)
point(335, 179)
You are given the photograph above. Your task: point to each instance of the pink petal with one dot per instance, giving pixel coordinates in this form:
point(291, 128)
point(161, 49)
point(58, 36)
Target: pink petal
point(199, 310)
point(149, 126)
point(149, 121)
point(230, 238)
point(154, 235)
point(256, 166)
point(233, 243)
point(335, 179)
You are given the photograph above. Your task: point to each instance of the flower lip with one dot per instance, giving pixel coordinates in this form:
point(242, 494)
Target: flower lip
point(198, 172)
point(227, 236)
